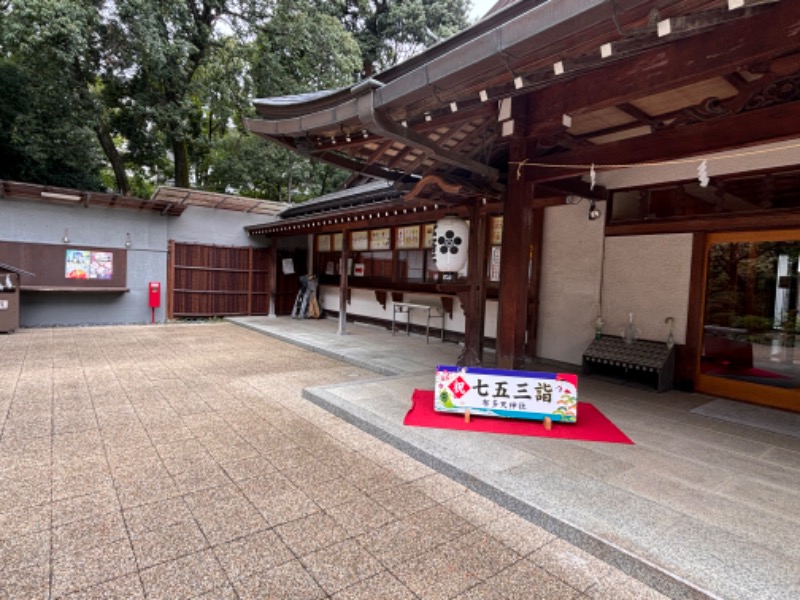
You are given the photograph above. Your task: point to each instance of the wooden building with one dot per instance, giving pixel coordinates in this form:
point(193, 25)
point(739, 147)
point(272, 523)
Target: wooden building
point(628, 161)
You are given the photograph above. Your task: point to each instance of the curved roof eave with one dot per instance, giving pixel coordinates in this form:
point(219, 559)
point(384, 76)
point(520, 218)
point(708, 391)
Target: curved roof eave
point(300, 104)
point(485, 43)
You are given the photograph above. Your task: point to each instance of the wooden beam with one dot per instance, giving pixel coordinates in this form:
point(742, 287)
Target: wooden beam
point(385, 145)
point(352, 164)
point(447, 188)
point(746, 129)
point(771, 219)
point(447, 118)
point(571, 187)
point(630, 110)
point(687, 60)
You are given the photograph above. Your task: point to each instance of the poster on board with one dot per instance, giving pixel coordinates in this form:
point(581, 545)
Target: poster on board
point(87, 264)
point(359, 240)
point(494, 264)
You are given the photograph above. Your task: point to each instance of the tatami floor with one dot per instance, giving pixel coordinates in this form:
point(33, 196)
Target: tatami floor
point(697, 506)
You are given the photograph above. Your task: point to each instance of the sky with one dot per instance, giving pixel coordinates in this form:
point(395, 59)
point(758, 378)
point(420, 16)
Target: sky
point(480, 8)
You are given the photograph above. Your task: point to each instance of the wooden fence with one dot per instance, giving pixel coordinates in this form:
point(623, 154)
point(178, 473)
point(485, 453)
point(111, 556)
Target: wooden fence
point(217, 281)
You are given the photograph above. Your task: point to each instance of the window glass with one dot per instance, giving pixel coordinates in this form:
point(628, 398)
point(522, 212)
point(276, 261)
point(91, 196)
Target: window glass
point(750, 329)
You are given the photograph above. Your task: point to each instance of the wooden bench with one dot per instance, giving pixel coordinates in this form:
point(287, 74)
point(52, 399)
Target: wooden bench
point(431, 312)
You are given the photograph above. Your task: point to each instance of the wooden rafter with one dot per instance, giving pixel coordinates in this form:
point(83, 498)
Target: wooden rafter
point(665, 68)
point(735, 131)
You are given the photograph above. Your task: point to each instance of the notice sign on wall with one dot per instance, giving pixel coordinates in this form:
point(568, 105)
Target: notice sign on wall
point(510, 394)
point(86, 264)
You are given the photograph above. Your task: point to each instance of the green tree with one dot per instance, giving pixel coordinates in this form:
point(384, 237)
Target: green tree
point(52, 54)
point(296, 50)
point(221, 93)
point(130, 93)
point(389, 32)
point(248, 165)
point(162, 47)
point(14, 103)
point(301, 49)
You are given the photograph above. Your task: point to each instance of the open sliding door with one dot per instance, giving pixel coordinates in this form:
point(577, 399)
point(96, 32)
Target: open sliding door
point(749, 345)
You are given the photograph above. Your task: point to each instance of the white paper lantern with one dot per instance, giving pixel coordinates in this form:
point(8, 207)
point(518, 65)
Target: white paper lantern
point(450, 244)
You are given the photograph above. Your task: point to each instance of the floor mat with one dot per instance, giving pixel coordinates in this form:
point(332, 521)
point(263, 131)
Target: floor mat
point(752, 415)
point(592, 425)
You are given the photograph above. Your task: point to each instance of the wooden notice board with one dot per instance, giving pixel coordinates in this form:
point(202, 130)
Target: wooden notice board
point(68, 267)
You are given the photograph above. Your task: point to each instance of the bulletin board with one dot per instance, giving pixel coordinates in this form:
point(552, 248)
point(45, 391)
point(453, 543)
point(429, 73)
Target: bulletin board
point(67, 267)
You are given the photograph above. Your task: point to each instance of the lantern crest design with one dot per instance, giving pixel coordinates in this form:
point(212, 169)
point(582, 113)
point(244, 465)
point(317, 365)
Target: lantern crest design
point(450, 244)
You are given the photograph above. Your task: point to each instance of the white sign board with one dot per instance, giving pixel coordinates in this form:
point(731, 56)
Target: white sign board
point(511, 394)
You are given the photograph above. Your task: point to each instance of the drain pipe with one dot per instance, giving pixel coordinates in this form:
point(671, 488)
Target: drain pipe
point(382, 126)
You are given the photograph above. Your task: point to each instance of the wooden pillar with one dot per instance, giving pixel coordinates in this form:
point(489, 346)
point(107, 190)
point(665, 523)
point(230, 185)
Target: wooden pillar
point(537, 243)
point(273, 276)
point(513, 293)
point(343, 284)
point(170, 291)
point(687, 355)
point(250, 276)
point(473, 299)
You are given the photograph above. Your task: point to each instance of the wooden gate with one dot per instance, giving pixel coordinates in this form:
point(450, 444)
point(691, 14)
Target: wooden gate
point(217, 281)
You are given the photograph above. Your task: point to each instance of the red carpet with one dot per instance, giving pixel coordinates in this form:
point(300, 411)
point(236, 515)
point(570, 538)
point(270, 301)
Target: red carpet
point(592, 425)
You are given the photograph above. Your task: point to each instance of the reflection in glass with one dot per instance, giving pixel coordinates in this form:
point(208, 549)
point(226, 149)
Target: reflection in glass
point(750, 328)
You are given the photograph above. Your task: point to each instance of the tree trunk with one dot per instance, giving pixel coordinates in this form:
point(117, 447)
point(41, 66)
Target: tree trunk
point(181, 173)
point(112, 154)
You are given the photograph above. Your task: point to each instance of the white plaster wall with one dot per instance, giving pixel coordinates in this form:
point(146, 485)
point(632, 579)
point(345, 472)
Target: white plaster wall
point(648, 276)
point(363, 303)
point(329, 297)
point(570, 288)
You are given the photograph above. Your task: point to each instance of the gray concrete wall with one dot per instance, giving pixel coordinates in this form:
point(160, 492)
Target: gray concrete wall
point(150, 232)
point(220, 227)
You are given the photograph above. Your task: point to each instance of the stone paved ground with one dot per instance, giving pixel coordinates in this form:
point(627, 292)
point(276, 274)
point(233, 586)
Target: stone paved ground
point(180, 461)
